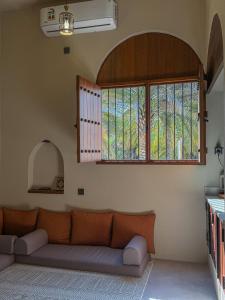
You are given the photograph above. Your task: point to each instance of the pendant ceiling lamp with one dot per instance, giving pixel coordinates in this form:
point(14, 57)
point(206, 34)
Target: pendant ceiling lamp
point(66, 22)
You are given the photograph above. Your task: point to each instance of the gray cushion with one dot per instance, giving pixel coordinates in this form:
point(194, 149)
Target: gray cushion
point(135, 251)
point(31, 242)
point(86, 258)
point(7, 244)
point(6, 261)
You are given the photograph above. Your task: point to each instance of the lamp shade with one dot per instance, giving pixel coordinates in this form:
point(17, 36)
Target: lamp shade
point(66, 22)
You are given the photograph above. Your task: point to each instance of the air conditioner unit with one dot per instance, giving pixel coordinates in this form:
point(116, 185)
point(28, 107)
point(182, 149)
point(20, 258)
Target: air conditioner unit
point(90, 16)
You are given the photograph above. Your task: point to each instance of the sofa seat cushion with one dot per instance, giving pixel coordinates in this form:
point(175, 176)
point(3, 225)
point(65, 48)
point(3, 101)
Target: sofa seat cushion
point(56, 224)
point(19, 222)
point(126, 226)
point(92, 229)
point(1, 220)
point(6, 260)
point(86, 258)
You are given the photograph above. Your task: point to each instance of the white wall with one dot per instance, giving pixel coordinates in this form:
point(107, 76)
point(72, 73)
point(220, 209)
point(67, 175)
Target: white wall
point(1, 98)
point(215, 7)
point(215, 132)
point(39, 103)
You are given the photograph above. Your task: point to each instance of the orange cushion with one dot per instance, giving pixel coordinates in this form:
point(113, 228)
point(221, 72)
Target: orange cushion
point(57, 225)
point(19, 222)
point(1, 220)
point(91, 228)
point(125, 227)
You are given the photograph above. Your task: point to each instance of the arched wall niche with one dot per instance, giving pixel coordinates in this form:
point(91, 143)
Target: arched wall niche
point(150, 56)
point(215, 52)
point(45, 168)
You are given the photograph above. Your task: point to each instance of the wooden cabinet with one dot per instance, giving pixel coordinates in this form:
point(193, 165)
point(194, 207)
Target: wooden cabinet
point(215, 236)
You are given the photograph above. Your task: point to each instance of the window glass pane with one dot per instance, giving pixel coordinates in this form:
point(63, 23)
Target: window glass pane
point(119, 124)
point(187, 123)
point(162, 121)
point(124, 123)
point(195, 122)
point(154, 117)
point(178, 122)
point(174, 132)
point(142, 123)
point(105, 128)
point(112, 123)
point(127, 124)
point(174, 124)
point(134, 124)
point(170, 121)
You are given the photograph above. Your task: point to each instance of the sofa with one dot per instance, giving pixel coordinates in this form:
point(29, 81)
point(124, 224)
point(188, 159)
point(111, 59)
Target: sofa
point(106, 242)
point(7, 256)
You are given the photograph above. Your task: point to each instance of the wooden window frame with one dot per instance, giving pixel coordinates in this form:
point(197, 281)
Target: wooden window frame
point(202, 120)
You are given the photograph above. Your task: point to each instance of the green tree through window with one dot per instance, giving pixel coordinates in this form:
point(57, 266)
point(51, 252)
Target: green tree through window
point(173, 122)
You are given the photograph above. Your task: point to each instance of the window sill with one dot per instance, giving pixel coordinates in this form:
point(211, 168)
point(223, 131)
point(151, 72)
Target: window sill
point(153, 162)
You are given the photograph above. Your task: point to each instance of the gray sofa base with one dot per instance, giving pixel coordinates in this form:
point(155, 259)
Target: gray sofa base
point(6, 260)
point(84, 258)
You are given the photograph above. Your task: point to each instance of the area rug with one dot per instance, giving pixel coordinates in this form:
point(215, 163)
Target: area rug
point(23, 282)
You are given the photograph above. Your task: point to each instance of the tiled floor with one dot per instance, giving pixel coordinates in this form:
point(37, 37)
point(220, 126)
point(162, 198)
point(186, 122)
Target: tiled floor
point(179, 281)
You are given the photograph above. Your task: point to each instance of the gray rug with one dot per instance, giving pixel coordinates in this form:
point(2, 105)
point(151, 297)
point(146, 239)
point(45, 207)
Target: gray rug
point(23, 282)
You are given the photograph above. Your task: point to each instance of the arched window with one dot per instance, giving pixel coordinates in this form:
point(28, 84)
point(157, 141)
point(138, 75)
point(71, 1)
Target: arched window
point(152, 105)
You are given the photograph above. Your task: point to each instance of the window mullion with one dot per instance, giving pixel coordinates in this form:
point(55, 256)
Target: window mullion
point(166, 124)
point(174, 120)
point(123, 122)
point(158, 118)
point(138, 123)
point(148, 120)
point(130, 129)
point(108, 129)
point(191, 121)
point(115, 125)
point(182, 121)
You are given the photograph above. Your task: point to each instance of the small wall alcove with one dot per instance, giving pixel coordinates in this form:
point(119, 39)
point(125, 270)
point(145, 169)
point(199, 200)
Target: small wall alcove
point(46, 169)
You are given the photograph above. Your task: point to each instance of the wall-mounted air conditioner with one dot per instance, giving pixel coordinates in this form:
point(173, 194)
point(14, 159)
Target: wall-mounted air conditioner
point(90, 16)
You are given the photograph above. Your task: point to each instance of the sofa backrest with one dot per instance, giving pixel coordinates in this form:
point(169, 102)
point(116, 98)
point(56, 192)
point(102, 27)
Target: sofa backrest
point(81, 227)
point(19, 222)
point(57, 225)
point(126, 226)
point(91, 228)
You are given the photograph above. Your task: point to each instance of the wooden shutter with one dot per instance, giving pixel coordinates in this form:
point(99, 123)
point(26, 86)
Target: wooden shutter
point(89, 125)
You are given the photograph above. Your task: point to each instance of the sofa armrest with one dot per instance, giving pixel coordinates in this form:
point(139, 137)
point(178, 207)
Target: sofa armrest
point(135, 251)
point(31, 242)
point(7, 243)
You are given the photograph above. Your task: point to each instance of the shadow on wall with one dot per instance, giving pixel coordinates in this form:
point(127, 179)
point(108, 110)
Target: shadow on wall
point(45, 166)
